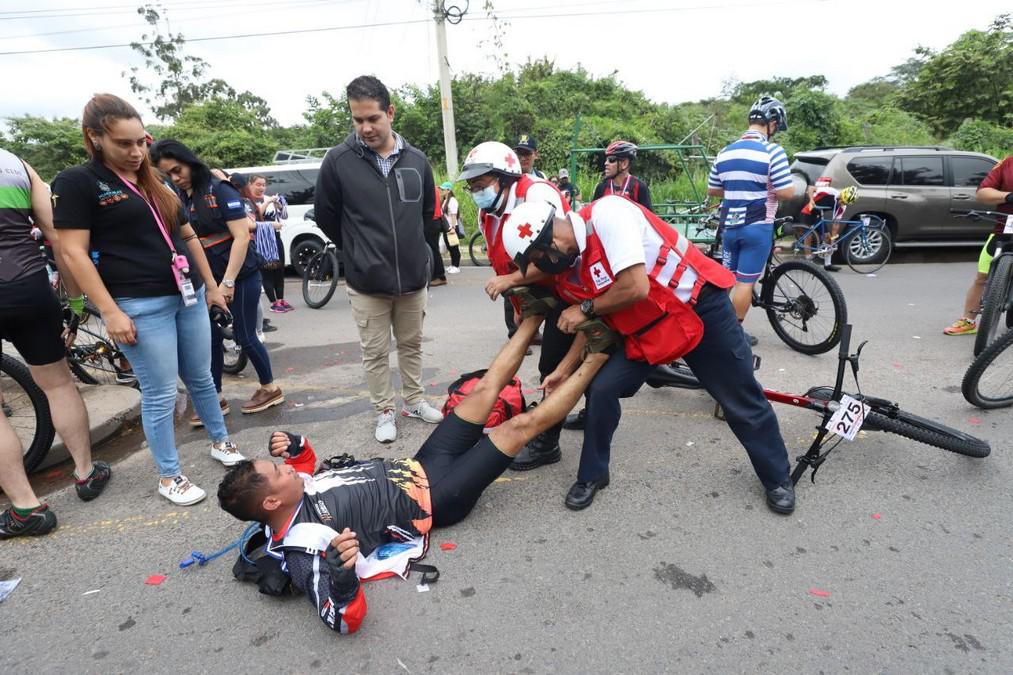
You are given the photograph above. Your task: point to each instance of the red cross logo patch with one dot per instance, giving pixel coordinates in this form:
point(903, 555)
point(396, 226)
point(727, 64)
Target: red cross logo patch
point(509, 159)
point(524, 231)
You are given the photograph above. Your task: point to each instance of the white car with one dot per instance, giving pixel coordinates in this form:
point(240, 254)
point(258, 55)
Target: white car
point(296, 181)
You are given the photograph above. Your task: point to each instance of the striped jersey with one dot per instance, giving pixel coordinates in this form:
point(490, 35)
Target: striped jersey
point(749, 171)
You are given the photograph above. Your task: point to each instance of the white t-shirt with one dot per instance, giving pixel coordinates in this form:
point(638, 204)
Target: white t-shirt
point(629, 239)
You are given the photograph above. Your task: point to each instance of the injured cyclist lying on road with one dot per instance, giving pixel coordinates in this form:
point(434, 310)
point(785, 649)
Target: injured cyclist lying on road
point(321, 525)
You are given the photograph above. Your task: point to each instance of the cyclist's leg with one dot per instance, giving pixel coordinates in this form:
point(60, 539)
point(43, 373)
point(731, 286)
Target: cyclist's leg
point(972, 301)
point(754, 245)
point(13, 479)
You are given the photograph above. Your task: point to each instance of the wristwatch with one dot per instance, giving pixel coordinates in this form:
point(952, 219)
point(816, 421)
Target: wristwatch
point(587, 307)
point(229, 283)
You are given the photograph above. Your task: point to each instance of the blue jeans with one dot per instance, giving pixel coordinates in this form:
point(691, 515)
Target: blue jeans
point(244, 328)
point(172, 339)
point(723, 363)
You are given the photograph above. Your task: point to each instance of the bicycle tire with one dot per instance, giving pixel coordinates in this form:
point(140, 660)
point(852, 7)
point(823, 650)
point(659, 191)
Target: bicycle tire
point(971, 386)
point(801, 307)
point(236, 365)
point(320, 275)
point(92, 357)
point(44, 432)
point(994, 302)
point(862, 239)
point(478, 239)
point(917, 428)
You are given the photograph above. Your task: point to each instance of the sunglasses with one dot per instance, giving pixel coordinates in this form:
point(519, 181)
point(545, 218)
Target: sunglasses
point(611, 160)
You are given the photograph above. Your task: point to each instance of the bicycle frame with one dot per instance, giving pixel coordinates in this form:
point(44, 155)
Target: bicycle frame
point(818, 229)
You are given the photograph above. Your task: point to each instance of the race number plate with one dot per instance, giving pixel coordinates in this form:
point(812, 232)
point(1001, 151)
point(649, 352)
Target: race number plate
point(848, 419)
point(866, 220)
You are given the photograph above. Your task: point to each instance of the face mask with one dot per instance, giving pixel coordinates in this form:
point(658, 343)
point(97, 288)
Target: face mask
point(486, 197)
point(549, 266)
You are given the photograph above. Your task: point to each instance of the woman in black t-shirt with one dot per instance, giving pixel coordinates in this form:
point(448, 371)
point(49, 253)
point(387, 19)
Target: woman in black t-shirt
point(121, 230)
point(216, 213)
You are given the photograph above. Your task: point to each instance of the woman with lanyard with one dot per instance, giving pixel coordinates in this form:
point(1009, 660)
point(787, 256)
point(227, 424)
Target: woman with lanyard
point(123, 238)
point(216, 212)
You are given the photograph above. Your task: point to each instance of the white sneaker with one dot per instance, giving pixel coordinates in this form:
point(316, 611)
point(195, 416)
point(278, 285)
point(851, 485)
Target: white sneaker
point(386, 430)
point(226, 452)
point(423, 411)
point(453, 270)
point(181, 491)
point(260, 335)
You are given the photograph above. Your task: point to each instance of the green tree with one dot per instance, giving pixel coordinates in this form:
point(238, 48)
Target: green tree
point(49, 145)
point(223, 133)
point(970, 79)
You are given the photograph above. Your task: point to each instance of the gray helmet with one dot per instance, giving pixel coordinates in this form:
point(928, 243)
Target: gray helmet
point(769, 109)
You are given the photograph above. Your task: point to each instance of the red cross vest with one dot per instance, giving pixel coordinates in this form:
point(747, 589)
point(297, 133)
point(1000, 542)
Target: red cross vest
point(660, 328)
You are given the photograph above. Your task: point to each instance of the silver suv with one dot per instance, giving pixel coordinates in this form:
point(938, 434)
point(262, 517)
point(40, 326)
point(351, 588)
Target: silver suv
point(912, 188)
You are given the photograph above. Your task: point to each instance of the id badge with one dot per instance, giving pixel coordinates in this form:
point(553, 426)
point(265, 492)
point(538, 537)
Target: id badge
point(187, 291)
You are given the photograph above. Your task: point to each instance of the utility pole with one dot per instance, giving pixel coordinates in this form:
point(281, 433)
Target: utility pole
point(447, 99)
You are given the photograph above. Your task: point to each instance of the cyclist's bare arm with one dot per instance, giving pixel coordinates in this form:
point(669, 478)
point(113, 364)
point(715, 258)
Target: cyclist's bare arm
point(42, 214)
point(785, 193)
point(990, 196)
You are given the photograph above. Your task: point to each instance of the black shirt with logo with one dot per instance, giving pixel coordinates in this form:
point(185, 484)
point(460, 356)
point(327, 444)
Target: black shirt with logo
point(126, 244)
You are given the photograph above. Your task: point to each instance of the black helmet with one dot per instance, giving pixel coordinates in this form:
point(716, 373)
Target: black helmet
point(769, 109)
point(621, 150)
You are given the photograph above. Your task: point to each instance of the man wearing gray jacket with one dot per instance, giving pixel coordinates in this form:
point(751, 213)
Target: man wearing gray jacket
point(374, 192)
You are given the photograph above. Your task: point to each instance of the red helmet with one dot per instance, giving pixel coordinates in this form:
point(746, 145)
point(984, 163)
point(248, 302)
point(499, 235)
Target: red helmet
point(621, 150)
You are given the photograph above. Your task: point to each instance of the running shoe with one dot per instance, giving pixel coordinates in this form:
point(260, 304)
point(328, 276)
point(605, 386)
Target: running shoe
point(961, 327)
point(423, 411)
point(91, 487)
point(453, 270)
point(386, 428)
point(288, 307)
point(40, 521)
point(277, 307)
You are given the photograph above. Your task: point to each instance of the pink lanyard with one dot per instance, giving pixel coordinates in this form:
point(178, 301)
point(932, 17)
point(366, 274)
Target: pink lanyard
point(154, 213)
point(626, 186)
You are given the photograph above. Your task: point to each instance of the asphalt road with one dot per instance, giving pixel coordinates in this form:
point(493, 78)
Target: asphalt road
point(898, 558)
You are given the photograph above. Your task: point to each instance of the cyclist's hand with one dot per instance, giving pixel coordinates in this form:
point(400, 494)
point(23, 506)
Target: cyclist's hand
point(570, 318)
point(68, 337)
point(552, 381)
point(344, 549)
point(495, 286)
point(215, 298)
point(121, 328)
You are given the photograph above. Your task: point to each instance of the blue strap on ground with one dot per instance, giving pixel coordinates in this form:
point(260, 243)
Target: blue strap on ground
point(198, 558)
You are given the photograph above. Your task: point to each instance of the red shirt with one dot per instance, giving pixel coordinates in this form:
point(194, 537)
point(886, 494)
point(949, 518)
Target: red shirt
point(1001, 178)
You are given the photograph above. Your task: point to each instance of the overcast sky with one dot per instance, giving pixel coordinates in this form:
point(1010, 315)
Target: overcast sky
point(674, 50)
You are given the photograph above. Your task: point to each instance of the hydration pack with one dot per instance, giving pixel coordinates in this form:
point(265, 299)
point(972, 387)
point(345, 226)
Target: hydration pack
point(509, 403)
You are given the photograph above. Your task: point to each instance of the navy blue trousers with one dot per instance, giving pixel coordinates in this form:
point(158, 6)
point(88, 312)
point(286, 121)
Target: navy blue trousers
point(723, 363)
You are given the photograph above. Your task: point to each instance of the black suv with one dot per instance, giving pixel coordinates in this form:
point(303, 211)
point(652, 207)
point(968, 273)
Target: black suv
point(912, 188)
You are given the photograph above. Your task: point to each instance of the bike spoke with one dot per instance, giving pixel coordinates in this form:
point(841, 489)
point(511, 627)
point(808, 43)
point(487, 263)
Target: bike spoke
point(19, 411)
point(996, 382)
point(804, 307)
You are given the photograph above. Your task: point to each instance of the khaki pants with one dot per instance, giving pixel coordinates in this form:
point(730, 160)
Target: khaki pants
point(376, 315)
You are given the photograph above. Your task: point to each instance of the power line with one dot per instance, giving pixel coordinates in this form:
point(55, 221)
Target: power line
point(67, 12)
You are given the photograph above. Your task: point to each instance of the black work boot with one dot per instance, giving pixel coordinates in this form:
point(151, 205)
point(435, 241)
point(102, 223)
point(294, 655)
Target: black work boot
point(575, 421)
point(540, 450)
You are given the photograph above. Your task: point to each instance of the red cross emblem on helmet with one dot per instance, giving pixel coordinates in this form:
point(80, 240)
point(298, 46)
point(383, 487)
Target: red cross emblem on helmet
point(524, 231)
point(509, 159)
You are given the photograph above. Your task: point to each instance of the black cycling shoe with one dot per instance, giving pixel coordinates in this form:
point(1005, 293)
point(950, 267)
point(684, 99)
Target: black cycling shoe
point(91, 487)
point(832, 268)
point(582, 493)
point(782, 499)
point(575, 421)
point(539, 451)
point(40, 521)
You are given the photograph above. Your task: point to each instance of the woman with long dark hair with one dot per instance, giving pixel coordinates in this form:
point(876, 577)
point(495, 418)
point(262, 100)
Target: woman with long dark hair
point(215, 210)
point(131, 250)
point(272, 209)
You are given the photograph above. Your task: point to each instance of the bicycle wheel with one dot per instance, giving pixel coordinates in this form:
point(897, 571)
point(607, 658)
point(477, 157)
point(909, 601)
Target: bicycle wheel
point(994, 303)
point(988, 382)
point(320, 279)
point(805, 306)
point(94, 358)
point(27, 409)
point(477, 250)
point(869, 248)
point(235, 358)
point(917, 428)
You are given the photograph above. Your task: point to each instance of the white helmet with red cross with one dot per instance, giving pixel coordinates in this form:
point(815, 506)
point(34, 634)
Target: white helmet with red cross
point(490, 157)
point(529, 225)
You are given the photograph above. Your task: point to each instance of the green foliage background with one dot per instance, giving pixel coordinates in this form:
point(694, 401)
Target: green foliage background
point(961, 96)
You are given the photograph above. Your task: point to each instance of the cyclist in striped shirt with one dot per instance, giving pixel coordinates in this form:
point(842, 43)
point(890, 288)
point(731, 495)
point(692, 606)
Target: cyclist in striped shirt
point(750, 176)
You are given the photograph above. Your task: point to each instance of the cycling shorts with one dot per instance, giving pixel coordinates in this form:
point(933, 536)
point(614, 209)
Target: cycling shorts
point(460, 462)
point(985, 259)
point(35, 325)
point(746, 249)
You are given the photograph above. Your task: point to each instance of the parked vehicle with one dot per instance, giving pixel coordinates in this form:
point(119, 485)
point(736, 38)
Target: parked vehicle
point(296, 181)
point(911, 188)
